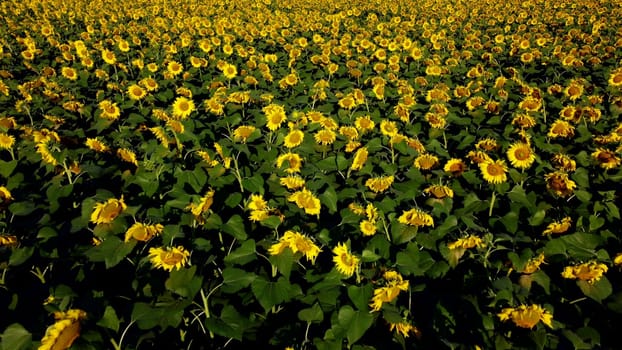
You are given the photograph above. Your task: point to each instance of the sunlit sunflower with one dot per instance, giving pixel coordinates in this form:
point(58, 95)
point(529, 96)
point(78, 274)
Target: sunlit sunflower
point(368, 227)
point(455, 167)
point(559, 183)
point(325, 137)
point(109, 110)
point(379, 184)
point(127, 156)
point(304, 199)
point(69, 73)
point(292, 160)
point(5, 196)
point(182, 108)
point(394, 284)
point(615, 78)
point(96, 145)
point(135, 92)
point(297, 242)
point(524, 121)
point(526, 316)
point(439, 191)
point(404, 328)
point(149, 83)
point(6, 141)
point(106, 212)
point(243, 132)
point(64, 331)
point(229, 71)
point(360, 157)
point(388, 127)
point(275, 116)
point(416, 217)
point(294, 138)
point(169, 258)
point(521, 155)
point(109, 57)
point(494, 171)
point(292, 182)
point(591, 271)
point(606, 158)
point(561, 128)
point(564, 162)
point(364, 124)
point(345, 262)
point(558, 227)
point(142, 232)
point(174, 68)
point(426, 161)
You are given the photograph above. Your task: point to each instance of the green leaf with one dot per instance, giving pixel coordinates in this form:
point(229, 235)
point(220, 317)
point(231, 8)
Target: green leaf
point(329, 199)
point(543, 280)
point(110, 319)
point(271, 222)
point(414, 261)
point(15, 337)
point(401, 233)
point(361, 296)
point(235, 227)
point(518, 195)
point(596, 222)
point(22, 208)
point(355, 323)
point(510, 221)
point(598, 290)
point(583, 196)
point(183, 282)
point(165, 315)
point(20, 255)
point(576, 341)
point(254, 184)
point(111, 251)
point(6, 168)
point(312, 314)
point(230, 324)
point(233, 199)
point(235, 279)
point(242, 255)
point(283, 262)
point(270, 294)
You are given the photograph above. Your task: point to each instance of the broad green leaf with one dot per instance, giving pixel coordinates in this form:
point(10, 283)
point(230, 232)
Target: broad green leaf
point(355, 323)
point(414, 261)
point(254, 184)
point(15, 337)
point(230, 324)
point(20, 255)
point(270, 294)
point(235, 279)
point(598, 290)
point(184, 282)
point(6, 168)
point(109, 319)
point(235, 227)
point(283, 262)
point(329, 199)
point(360, 296)
point(243, 254)
point(22, 208)
point(111, 251)
point(576, 341)
point(312, 314)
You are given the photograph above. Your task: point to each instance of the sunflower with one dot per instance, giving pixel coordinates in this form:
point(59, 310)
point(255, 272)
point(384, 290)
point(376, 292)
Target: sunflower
point(127, 156)
point(533, 264)
point(379, 184)
point(605, 158)
point(523, 121)
point(394, 284)
point(559, 183)
point(426, 161)
point(5, 196)
point(388, 128)
point(521, 155)
point(257, 202)
point(135, 92)
point(455, 167)
point(149, 83)
point(360, 157)
point(174, 68)
point(297, 242)
point(69, 73)
point(345, 262)
point(615, 78)
point(557, 227)
point(96, 145)
point(573, 91)
point(325, 137)
point(564, 162)
point(439, 191)
point(182, 108)
point(229, 71)
point(368, 227)
point(243, 132)
point(364, 124)
point(109, 110)
point(142, 232)
point(294, 138)
point(404, 328)
point(304, 199)
point(6, 141)
point(105, 213)
point(526, 316)
point(468, 242)
point(109, 57)
point(561, 128)
point(292, 182)
point(7, 241)
point(169, 258)
point(275, 116)
point(293, 161)
point(488, 144)
point(494, 171)
point(64, 331)
point(416, 217)
point(591, 271)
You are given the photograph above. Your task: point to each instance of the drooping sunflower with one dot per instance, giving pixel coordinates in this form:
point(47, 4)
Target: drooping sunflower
point(426, 161)
point(360, 157)
point(439, 191)
point(379, 184)
point(561, 128)
point(292, 182)
point(169, 258)
point(521, 155)
point(96, 145)
point(325, 137)
point(106, 212)
point(416, 217)
point(559, 183)
point(345, 262)
point(304, 199)
point(64, 331)
point(606, 158)
point(494, 171)
point(297, 242)
point(243, 132)
point(557, 227)
point(127, 156)
point(591, 271)
point(69, 73)
point(182, 108)
point(526, 316)
point(394, 284)
point(143, 232)
point(292, 160)
point(455, 167)
point(294, 138)
point(5, 196)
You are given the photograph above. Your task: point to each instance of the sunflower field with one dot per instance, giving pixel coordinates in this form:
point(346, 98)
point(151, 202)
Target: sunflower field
point(433, 174)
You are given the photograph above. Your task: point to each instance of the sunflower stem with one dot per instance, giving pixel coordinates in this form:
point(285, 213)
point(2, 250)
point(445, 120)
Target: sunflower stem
point(492, 203)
